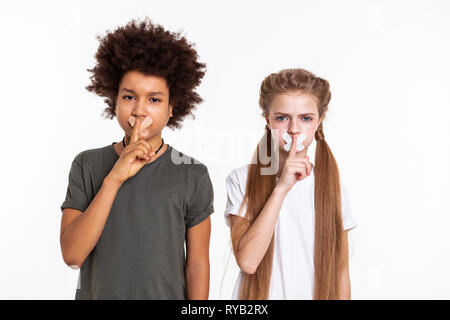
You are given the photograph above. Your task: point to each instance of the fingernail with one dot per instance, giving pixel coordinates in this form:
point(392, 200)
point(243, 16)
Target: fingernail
point(144, 132)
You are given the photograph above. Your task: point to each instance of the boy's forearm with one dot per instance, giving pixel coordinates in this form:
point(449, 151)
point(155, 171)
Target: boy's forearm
point(81, 236)
point(197, 281)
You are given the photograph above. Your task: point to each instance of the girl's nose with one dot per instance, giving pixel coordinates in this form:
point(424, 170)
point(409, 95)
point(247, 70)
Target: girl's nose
point(294, 128)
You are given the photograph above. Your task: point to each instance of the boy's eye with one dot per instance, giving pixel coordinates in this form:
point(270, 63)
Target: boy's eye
point(154, 100)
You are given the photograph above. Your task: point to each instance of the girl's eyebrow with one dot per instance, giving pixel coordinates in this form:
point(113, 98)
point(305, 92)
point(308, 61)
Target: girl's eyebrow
point(151, 93)
point(302, 114)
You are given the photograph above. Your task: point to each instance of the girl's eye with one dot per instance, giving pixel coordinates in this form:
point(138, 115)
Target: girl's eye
point(280, 118)
point(126, 97)
point(155, 100)
point(307, 118)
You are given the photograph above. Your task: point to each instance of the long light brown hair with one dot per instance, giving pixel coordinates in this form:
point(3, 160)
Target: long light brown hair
point(327, 194)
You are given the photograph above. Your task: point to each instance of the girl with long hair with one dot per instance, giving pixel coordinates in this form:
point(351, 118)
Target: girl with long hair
point(289, 228)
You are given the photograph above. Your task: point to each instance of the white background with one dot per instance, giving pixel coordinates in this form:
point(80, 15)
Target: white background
point(388, 65)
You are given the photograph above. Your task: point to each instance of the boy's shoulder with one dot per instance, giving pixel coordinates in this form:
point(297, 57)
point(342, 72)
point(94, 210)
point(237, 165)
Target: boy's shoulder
point(93, 155)
point(183, 161)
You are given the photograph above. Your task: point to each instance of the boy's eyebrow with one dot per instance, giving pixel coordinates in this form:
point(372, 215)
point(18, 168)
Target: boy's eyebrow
point(151, 93)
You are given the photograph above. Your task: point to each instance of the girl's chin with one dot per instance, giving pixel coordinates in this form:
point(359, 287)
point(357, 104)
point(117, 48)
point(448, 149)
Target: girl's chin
point(282, 150)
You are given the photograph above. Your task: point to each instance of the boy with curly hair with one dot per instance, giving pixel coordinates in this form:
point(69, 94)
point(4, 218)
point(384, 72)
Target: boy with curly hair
point(131, 207)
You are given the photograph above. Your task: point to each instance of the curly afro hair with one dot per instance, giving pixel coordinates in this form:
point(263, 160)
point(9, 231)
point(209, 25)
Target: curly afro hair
point(151, 50)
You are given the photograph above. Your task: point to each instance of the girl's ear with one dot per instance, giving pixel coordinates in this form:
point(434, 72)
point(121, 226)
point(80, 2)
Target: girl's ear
point(320, 122)
point(170, 111)
point(264, 114)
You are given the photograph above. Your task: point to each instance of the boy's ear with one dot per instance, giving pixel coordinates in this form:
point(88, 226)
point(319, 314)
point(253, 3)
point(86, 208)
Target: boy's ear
point(170, 111)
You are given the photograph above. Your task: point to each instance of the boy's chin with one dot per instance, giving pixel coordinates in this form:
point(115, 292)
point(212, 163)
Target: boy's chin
point(150, 136)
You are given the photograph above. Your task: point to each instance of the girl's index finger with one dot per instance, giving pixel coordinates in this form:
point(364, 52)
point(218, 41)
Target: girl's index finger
point(293, 149)
point(136, 131)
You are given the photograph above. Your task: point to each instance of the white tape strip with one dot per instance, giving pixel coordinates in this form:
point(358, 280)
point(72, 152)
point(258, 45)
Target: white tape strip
point(288, 139)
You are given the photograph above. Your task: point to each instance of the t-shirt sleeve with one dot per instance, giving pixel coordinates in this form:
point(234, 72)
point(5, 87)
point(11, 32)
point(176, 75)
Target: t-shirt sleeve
point(235, 196)
point(202, 203)
point(76, 192)
point(347, 216)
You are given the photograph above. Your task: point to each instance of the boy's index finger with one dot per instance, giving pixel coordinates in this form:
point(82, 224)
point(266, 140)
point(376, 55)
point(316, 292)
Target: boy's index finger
point(293, 149)
point(136, 131)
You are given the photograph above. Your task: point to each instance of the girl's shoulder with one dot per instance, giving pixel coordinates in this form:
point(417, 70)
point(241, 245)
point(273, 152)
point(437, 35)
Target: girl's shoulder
point(242, 171)
point(238, 175)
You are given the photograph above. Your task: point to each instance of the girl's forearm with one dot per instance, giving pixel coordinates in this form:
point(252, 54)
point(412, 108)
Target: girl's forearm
point(255, 241)
point(82, 235)
point(344, 286)
point(197, 281)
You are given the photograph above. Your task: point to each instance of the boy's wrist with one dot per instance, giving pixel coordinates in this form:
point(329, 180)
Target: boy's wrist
point(111, 180)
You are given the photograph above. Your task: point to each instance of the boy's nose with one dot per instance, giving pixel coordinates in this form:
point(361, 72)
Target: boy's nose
point(139, 108)
point(139, 117)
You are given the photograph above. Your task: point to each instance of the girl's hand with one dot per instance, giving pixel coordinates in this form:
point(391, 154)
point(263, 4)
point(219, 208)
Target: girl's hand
point(133, 157)
point(295, 169)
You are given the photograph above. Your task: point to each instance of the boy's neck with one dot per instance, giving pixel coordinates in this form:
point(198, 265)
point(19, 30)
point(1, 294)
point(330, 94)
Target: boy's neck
point(155, 143)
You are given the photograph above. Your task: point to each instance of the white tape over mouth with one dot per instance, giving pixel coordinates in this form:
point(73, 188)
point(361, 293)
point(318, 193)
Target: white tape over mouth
point(288, 139)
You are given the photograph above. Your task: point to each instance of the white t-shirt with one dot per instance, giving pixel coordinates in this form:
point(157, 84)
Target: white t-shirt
point(293, 260)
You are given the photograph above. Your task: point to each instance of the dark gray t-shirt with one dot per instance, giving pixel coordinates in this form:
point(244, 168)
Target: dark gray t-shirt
point(140, 254)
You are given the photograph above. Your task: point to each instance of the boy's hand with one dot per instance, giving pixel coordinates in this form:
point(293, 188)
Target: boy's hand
point(133, 157)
